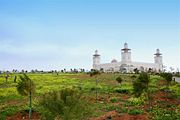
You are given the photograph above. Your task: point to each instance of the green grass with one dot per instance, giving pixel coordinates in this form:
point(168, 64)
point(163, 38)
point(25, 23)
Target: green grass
point(111, 95)
point(8, 111)
point(135, 111)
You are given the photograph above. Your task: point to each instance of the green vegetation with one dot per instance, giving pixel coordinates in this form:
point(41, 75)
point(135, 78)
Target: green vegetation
point(26, 87)
point(135, 112)
point(141, 84)
point(66, 104)
point(95, 73)
point(167, 77)
point(119, 79)
point(63, 96)
point(137, 101)
point(171, 113)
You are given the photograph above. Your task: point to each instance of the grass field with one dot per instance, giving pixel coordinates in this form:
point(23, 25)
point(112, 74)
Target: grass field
point(114, 100)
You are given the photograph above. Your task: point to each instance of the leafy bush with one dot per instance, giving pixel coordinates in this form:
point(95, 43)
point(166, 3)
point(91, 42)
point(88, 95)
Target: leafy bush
point(26, 87)
point(8, 112)
point(122, 110)
point(87, 86)
point(154, 80)
point(66, 103)
point(164, 114)
point(94, 73)
point(133, 76)
point(136, 101)
point(176, 90)
point(122, 90)
point(114, 100)
point(135, 111)
point(119, 79)
point(141, 84)
point(111, 108)
point(93, 88)
point(168, 77)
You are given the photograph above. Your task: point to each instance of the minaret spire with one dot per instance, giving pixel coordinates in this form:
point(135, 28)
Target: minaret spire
point(96, 59)
point(125, 49)
point(158, 57)
point(157, 53)
point(126, 54)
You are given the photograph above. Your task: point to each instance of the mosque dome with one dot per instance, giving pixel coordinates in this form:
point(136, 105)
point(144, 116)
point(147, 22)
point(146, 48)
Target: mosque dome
point(114, 61)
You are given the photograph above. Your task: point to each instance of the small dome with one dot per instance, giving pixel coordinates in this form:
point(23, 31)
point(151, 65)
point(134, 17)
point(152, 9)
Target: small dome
point(114, 61)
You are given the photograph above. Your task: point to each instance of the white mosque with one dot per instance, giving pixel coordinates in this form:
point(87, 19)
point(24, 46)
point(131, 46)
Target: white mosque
point(126, 64)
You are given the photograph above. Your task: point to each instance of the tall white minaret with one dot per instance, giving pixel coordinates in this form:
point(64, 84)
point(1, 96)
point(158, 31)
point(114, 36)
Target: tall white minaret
point(125, 54)
point(96, 59)
point(158, 59)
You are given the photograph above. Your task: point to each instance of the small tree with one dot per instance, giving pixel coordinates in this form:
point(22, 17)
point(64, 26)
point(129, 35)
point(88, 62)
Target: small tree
point(119, 79)
point(7, 76)
point(142, 85)
point(136, 71)
point(168, 77)
point(95, 73)
point(66, 104)
point(26, 87)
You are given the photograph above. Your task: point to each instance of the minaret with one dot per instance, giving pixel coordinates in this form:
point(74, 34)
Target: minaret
point(125, 54)
point(158, 57)
point(96, 59)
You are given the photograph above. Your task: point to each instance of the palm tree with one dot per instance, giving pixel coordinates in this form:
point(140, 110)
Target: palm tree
point(26, 87)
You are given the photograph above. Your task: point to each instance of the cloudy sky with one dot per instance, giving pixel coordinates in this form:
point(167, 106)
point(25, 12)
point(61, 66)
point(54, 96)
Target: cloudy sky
point(57, 34)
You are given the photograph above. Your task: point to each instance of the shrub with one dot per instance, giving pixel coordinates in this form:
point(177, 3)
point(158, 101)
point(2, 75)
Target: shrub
point(94, 73)
point(135, 112)
point(119, 79)
point(114, 100)
point(26, 87)
point(113, 107)
point(176, 90)
point(8, 111)
point(122, 90)
point(164, 114)
point(136, 101)
point(133, 76)
point(94, 88)
point(168, 77)
point(141, 84)
point(66, 103)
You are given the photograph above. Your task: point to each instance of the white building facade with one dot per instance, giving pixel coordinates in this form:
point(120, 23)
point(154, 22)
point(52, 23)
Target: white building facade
point(126, 64)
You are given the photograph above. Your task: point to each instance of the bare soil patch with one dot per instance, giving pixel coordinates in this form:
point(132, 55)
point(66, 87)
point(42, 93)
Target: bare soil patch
point(24, 116)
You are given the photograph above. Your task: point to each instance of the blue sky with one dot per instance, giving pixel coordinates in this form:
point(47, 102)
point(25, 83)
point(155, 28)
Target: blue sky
point(57, 34)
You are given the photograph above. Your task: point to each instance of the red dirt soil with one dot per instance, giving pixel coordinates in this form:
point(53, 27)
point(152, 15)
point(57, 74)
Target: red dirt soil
point(131, 117)
point(162, 96)
point(158, 96)
point(115, 116)
point(24, 116)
